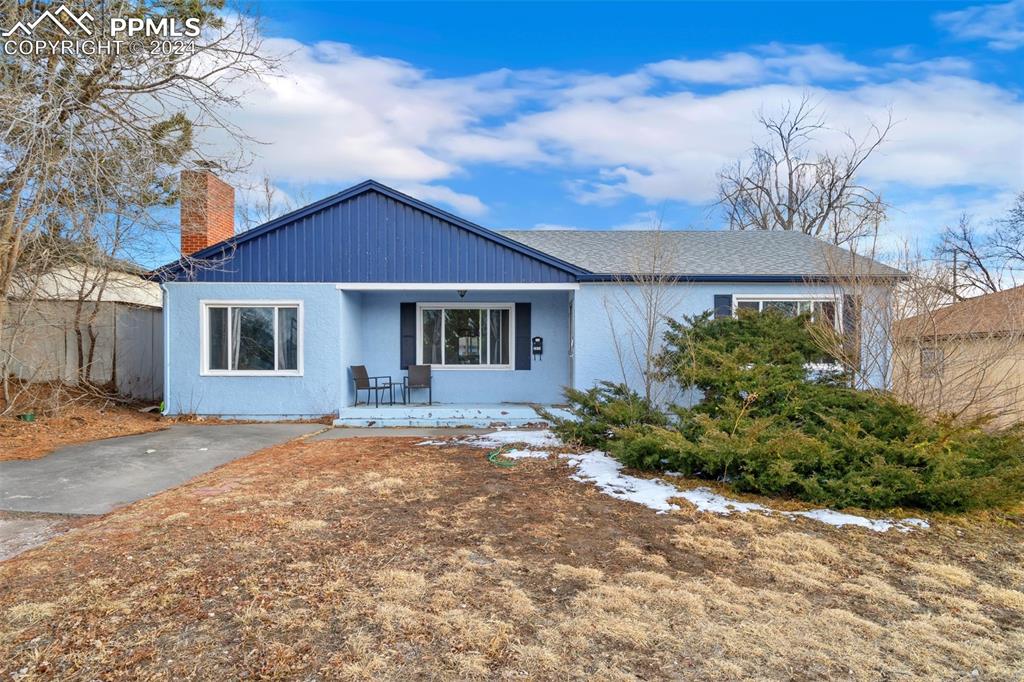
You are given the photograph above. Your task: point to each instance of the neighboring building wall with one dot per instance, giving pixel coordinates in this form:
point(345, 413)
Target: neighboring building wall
point(313, 394)
point(128, 346)
point(607, 344)
point(976, 376)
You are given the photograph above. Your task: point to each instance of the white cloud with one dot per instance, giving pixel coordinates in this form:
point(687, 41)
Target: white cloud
point(773, 62)
point(951, 131)
point(336, 116)
point(735, 67)
point(1001, 24)
point(464, 204)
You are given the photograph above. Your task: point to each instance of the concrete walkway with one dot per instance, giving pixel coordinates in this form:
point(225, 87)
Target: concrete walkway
point(96, 477)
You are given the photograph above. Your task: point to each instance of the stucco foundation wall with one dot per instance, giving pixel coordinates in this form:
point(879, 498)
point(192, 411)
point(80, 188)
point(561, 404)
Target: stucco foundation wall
point(542, 383)
point(608, 343)
point(315, 393)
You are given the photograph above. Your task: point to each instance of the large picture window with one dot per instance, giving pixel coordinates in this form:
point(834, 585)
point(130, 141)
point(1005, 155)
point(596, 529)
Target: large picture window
point(251, 338)
point(820, 310)
point(465, 336)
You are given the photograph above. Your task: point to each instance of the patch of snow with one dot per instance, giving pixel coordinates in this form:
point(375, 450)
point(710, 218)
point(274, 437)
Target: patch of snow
point(606, 473)
point(839, 519)
point(433, 442)
point(821, 370)
point(531, 439)
point(706, 500)
point(524, 454)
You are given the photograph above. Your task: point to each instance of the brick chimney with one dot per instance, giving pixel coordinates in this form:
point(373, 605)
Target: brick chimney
point(207, 210)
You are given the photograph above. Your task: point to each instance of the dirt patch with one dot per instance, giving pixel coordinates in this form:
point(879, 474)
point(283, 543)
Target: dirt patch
point(373, 558)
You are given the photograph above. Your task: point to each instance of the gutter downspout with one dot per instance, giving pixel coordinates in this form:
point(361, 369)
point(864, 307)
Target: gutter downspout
point(167, 350)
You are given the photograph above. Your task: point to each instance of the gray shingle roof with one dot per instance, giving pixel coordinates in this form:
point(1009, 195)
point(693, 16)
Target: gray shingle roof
point(707, 253)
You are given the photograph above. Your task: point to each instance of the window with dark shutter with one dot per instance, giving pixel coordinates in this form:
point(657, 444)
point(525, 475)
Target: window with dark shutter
point(523, 335)
point(723, 305)
point(851, 328)
point(407, 324)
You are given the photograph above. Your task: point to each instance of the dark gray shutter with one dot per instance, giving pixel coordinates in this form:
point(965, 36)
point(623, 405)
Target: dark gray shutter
point(723, 305)
point(407, 325)
point(523, 336)
point(851, 328)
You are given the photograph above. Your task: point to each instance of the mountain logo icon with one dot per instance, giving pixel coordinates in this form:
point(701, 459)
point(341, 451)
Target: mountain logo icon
point(62, 18)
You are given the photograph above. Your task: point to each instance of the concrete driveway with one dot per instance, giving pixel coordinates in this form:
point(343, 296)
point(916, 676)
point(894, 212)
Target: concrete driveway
point(96, 477)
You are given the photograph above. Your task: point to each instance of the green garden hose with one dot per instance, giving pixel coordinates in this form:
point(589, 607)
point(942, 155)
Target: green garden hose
point(495, 458)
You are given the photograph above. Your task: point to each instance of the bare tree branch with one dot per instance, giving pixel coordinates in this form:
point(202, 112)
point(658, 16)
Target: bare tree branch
point(784, 185)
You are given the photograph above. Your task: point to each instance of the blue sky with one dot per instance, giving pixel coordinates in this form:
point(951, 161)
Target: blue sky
point(595, 115)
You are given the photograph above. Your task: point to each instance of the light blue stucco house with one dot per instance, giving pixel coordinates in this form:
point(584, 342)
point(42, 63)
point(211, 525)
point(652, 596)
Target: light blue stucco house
point(267, 323)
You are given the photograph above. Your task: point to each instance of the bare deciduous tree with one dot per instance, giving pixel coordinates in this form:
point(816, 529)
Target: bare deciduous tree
point(87, 137)
point(959, 359)
point(265, 201)
point(787, 185)
point(985, 261)
point(637, 309)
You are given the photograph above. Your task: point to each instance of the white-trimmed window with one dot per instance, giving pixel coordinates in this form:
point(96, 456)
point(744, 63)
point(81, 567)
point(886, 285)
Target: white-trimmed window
point(465, 335)
point(821, 309)
point(251, 338)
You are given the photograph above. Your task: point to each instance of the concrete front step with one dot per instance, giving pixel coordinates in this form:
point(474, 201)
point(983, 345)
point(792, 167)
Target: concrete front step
point(479, 416)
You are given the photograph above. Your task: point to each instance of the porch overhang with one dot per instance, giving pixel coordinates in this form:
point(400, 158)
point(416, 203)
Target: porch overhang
point(457, 286)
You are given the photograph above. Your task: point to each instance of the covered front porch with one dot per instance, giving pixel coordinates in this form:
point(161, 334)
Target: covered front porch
point(493, 350)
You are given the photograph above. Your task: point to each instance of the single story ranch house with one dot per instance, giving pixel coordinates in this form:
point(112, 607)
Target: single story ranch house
point(279, 321)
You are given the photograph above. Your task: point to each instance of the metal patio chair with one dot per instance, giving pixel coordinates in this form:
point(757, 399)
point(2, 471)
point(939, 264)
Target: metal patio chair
point(375, 385)
point(419, 378)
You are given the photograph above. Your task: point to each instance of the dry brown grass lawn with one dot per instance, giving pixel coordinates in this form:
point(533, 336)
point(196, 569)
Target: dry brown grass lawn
point(377, 559)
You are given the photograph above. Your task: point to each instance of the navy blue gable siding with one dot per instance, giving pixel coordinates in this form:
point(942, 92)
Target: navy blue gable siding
point(373, 237)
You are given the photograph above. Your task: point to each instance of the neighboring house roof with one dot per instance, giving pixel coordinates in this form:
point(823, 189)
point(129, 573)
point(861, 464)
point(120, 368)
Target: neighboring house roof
point(717, 254)
point(57, 269)
point(73, 282)
point(49, 251)
point(990, 314)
